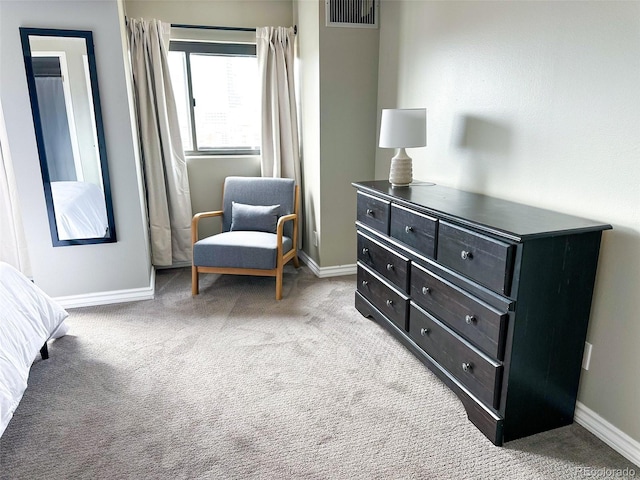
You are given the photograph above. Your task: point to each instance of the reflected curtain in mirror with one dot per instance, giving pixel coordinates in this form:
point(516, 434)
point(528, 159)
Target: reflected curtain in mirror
point(65, 102)
point(54, 119)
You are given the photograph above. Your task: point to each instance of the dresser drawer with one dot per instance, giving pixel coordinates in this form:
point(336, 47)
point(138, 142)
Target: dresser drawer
point(481, 375)
point(391, 302)
point(387, 263)
point(484, 259)
point(414, 229)
point(480, 323)
point(373, 212)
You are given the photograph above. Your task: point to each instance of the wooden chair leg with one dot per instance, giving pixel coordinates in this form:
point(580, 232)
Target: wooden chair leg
point(296, 262)
point(194, 280)
point(279, 282)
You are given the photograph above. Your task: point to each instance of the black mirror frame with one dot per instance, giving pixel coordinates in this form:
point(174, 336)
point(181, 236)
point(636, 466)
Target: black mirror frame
point(25, 32)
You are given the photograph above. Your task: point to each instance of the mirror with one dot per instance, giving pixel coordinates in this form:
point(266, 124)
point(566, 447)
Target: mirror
point(65, 103)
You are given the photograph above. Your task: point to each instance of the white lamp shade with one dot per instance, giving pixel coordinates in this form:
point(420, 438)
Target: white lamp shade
point(403, 128)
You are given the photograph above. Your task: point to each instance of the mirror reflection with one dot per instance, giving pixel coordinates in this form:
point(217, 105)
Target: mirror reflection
point(65, 102)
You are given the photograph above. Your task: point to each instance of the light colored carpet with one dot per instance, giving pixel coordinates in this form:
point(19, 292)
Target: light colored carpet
point(232, 384)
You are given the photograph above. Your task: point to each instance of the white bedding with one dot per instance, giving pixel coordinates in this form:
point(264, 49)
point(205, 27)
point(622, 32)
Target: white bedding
point(80, 210)
point(28, 318)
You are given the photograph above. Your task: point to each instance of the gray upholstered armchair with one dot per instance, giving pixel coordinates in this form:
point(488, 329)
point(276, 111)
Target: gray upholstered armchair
point(259, 231)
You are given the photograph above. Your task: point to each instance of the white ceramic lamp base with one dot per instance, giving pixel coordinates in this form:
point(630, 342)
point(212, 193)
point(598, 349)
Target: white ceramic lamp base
point(401, 172)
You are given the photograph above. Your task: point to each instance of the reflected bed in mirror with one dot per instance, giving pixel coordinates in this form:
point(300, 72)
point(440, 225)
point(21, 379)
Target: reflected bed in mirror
point(65, 102)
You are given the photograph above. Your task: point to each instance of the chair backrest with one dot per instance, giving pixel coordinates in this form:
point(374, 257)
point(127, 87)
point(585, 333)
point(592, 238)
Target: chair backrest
point(259, 191)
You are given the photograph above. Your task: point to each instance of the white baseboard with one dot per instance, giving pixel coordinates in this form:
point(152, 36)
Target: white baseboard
point(325, 272)
point(608, 433)
point(115, 296)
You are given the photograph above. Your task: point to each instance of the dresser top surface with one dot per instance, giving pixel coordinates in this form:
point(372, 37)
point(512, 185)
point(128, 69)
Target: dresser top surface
point(502, 217)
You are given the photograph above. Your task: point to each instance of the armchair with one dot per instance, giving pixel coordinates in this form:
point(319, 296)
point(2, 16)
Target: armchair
point(259, 231)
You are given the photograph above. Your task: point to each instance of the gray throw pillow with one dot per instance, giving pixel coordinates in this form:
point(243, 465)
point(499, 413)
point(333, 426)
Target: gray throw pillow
point(259, 218)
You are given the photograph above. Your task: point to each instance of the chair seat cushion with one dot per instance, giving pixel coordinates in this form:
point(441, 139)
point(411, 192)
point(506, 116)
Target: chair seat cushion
point(241, 249)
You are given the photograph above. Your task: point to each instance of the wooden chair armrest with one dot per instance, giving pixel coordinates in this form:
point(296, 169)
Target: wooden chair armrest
point(282, 220)
point(199, 216)
point(280, 230)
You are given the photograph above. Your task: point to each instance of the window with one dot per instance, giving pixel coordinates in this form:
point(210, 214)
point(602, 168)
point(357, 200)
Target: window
point(216, 89)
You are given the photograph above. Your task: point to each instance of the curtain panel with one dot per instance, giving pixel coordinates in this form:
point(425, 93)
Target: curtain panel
point(279, 150)
point(164, 164)
point(13, 245)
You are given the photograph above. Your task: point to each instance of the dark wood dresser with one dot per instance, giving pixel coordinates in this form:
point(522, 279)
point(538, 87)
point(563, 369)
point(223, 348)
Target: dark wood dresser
point(493, 296)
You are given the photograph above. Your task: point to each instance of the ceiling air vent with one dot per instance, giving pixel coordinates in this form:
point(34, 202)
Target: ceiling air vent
point(352, 13)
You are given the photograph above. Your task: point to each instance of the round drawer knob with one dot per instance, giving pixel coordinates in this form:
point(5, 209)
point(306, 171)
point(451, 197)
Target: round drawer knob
point(425, 331)
point(466, 255)
point(370, 212)
point(365, 251)
point(408, 229)
point(389, 303)
point(365, 283)
point(426, 290)
point(389, 266)
point(470, 319)
point(467, 367)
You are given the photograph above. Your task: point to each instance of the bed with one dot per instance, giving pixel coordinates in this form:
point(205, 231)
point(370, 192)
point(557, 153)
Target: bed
point(80, 210)
point(28, 318)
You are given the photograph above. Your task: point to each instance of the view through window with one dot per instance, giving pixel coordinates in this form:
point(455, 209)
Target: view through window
point(217, 96)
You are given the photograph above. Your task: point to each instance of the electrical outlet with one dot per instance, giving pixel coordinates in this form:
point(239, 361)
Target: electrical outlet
point(315, 238)
point(586, 358)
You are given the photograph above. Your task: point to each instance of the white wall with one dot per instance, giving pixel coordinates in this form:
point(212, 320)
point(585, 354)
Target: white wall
point(230, 13)
point(84, 269)
point(536, 102)
point(338, 71)
point(308, 58)
point(348, 92)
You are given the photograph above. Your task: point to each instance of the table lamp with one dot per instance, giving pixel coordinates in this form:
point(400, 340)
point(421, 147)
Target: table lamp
point(402, 128)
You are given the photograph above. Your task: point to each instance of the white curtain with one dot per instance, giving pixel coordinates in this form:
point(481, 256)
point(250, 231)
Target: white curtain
point(13, 246)
point(280, 152)
point(164, 163)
